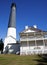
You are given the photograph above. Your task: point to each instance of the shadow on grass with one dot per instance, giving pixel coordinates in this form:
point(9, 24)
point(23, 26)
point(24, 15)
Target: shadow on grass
point(42, 59)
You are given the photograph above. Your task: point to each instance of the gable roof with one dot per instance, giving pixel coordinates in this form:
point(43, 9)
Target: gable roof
point(31, 29)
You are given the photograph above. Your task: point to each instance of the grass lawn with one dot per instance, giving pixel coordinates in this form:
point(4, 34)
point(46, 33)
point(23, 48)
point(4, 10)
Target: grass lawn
point(11, 59)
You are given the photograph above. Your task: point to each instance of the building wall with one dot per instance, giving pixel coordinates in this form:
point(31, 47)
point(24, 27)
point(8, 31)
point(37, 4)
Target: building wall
point(13, 48)
point(11, 32)
point(32, 47)
point(8, 40)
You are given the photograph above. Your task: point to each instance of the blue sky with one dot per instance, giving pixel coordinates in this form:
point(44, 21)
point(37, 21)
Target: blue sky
point(29, 12)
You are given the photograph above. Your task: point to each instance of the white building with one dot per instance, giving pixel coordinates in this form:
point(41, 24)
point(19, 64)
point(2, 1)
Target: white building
point(33, 41)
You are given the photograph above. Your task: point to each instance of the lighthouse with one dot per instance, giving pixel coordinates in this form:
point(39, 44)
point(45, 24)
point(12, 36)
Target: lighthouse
point(10, 40)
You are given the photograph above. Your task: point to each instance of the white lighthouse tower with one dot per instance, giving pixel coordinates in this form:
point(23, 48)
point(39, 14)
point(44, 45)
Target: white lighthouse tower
point(10, 40)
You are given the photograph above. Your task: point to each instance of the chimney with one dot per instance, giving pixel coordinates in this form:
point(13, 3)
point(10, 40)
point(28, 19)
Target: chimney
point(26, 27)
point(35, 26)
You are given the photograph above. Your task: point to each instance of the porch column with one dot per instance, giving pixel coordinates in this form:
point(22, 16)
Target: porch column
point(43, 39)
point(27, 43)
point(35, 40)
point(43, 42)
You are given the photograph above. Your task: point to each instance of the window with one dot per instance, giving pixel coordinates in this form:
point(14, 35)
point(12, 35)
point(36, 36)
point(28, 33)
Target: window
point(24, 44)
point(39, 43)
point(32, 43)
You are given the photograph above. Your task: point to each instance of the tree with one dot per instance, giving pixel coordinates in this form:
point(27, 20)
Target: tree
point(1, 45)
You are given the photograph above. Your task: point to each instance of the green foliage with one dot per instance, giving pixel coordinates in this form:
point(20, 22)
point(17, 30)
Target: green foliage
point(1, 45)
